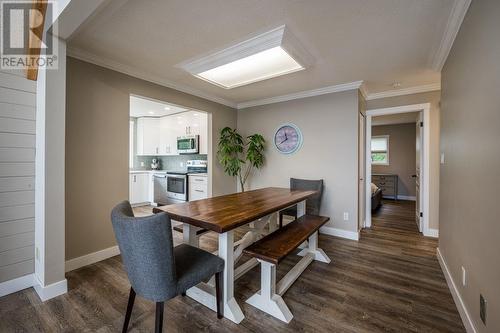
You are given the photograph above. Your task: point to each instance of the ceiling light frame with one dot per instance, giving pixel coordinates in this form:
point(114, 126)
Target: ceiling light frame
point(277, 37)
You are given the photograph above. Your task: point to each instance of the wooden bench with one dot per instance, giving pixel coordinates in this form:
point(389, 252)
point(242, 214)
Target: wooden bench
point(272, 249)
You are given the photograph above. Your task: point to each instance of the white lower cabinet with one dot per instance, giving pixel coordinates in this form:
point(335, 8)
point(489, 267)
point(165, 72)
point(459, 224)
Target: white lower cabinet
point(198, 187)
point(139, 188)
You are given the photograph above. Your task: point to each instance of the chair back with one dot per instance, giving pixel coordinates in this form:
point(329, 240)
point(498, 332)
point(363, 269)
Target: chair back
point(146, 247)
point(313, 204)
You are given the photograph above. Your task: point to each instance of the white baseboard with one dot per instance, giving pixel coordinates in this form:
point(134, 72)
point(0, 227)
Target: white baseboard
point(17, 284)
point(92, 258)
point(52, 290)
point(401, 197)
point(339, 233)
point(407, 197)
point(462, 310)
point(431, 233)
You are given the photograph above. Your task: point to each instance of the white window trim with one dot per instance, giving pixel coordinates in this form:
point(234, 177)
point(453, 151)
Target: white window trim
point(381, 151)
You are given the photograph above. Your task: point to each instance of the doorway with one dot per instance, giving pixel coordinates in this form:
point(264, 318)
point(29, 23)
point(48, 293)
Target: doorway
point(422, 166)
point(169, 154)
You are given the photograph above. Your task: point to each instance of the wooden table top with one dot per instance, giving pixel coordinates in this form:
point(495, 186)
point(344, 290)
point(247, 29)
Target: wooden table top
point(227, 212)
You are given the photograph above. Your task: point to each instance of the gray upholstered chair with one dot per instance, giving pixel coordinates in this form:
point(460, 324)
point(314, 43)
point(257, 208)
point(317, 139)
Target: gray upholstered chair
point(313, 204)
point(157, 271)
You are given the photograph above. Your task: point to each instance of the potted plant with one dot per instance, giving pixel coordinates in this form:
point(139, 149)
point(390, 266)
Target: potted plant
point(239, 157)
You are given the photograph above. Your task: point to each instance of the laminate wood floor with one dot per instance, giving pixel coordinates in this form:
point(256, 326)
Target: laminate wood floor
point(389, 281)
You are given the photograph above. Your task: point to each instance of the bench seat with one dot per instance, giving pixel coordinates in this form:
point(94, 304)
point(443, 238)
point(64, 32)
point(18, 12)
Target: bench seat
point(273, 248)
point(276, 246)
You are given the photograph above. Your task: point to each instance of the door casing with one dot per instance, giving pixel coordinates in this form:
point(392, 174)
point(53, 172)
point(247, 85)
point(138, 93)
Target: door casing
point(425, 108)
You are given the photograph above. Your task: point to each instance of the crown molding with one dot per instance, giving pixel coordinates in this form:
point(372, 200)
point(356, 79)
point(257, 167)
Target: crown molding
point(406, 91)
point(302, 94)
point(457, 15)
point(364, 91)
point(128, 70)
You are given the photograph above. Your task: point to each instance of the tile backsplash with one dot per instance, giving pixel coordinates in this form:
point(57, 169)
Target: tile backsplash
point(175, 162)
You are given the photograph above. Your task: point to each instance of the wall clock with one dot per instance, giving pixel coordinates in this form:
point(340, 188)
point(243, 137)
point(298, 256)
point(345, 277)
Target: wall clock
point(288, 139)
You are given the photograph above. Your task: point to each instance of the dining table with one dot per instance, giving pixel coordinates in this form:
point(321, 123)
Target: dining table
point(257, 210)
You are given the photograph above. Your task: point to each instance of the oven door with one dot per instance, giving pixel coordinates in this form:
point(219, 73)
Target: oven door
point(177, 187)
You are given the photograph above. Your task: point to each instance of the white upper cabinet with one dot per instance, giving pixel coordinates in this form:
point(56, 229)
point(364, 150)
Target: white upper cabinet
point(168, 136)
point(158, 136)
point(148, 135)
point(197, 124)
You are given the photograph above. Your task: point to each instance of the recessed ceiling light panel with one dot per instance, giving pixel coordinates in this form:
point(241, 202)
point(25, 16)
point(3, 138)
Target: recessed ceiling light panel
point(264, 56)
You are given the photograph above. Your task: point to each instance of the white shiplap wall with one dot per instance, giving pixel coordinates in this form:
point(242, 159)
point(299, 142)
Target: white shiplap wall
point(17, 175)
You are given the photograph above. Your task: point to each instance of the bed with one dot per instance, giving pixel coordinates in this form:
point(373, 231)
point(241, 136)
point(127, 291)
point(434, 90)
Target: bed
point(376, 197)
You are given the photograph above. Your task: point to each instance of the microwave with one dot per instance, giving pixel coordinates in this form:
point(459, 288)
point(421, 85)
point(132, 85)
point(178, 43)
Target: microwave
point(188, 144)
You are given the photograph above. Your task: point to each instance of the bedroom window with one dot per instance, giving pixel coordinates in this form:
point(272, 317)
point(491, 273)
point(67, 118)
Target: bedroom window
point(380, 150)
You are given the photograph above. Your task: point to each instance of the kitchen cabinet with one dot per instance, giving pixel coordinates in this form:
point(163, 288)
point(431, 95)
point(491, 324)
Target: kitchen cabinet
point(139, 187)
point(198, 187)
point(195, 123)
point(158, 136)
point(148, 135)
point(169, 131)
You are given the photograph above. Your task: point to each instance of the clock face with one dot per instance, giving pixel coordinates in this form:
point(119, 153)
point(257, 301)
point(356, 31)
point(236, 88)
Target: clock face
point(288, 139)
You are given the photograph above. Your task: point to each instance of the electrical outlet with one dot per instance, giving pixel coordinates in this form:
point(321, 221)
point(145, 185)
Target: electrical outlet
point(142, 164)
point(464, 276)
point(346, 216)
point(182, 164)
point(482, 308)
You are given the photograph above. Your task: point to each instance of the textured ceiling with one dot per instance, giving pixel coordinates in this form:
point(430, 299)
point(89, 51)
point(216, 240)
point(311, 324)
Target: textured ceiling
point(377, 41)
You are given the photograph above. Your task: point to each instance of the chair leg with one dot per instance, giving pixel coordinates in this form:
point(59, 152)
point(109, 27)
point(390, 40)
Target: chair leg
point(219, 283)
point(130, 306)
point(159, 317)
point(281, 220)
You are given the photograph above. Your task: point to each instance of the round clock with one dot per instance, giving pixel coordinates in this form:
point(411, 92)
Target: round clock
point(288, 139)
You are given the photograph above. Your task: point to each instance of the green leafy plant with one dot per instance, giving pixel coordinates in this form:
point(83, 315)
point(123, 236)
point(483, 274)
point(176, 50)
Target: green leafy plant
point(239, 157)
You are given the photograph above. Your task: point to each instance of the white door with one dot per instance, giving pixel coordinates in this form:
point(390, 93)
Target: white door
point(362, 181)
point(418, 171)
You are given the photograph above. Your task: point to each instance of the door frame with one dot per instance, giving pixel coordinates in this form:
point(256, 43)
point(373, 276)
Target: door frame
point(425, 108)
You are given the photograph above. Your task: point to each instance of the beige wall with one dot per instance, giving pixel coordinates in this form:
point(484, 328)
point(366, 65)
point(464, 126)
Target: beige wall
point(434, 99)
point(402, 155)
point(329, 124)
point(470, 180)
point(97, 148)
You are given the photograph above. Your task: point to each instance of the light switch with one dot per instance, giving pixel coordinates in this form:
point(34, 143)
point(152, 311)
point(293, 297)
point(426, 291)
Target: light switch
point(442, 158)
